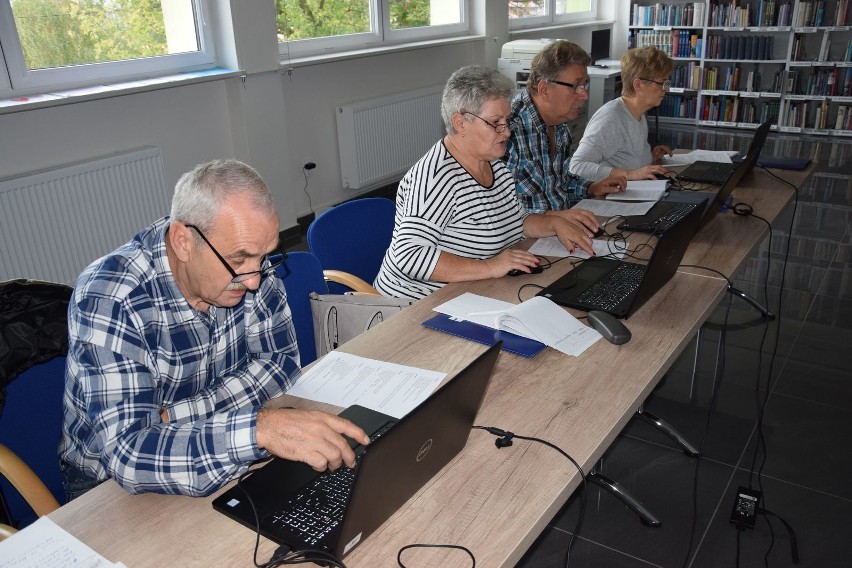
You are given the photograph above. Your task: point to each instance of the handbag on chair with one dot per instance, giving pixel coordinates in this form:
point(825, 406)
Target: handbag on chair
point(341, 317)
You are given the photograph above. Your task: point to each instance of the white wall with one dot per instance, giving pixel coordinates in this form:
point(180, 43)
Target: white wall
point(273, 120)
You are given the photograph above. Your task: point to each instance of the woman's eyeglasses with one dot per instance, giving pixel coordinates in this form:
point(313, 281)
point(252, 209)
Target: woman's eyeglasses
point(498, 128)
point(664, 84)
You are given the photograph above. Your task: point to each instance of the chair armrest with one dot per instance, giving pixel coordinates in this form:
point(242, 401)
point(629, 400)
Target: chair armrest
point(350, 281)
point(6, 531)
point(26, 482)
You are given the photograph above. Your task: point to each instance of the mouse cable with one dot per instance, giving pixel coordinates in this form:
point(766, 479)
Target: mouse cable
point(707, 268)
point(305, 189)
point(421, 545)
point(283, 554)
point(504, 440)
point(718, 374)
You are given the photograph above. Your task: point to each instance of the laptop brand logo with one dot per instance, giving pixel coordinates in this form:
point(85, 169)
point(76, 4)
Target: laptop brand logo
point(424, 449)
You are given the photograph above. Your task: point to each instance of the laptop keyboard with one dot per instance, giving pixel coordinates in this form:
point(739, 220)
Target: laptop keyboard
point(609, 292)
point(318, 508)
point(672, 216)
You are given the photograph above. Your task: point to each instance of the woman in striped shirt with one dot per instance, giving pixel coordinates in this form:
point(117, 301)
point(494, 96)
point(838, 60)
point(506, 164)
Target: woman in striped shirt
point(456, 209)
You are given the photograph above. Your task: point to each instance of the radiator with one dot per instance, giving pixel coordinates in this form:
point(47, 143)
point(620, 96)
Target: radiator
point(54, 223)
point(380, 139)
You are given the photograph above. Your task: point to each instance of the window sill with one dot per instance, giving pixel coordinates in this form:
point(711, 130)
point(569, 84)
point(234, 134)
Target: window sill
point(314, 59)
point(552, 27)
point(69, 96)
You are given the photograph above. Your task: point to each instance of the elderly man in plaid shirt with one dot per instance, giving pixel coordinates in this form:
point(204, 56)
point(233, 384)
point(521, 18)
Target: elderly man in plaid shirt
point(177, 339)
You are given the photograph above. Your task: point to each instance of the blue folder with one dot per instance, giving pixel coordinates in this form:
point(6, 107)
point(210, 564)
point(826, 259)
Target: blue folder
point(512, 343)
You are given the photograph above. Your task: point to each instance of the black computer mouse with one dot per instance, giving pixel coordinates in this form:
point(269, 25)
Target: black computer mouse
point(599, 233)
point(518, 272)
point(668, 176)
point(612, 329)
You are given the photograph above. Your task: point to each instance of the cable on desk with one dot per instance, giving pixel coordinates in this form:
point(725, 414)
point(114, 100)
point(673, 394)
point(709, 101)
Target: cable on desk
point(504, 440)
point(420, 545)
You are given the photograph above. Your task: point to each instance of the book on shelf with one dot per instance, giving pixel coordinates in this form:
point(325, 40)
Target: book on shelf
point(841, 120)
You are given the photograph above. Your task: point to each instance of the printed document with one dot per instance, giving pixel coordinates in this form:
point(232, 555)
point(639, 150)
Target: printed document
point(343, 380)
point(44, 544)
point(607, 208)
point(641, 190)
point(684, 159)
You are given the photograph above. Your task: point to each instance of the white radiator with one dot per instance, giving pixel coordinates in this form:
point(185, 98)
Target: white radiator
point(380, 139)
point(54, 223)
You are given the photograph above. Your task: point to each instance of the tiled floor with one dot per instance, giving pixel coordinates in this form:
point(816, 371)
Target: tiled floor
point(807, 422)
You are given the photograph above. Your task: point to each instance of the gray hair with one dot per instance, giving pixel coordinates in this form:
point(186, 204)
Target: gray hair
point(199, 193)
point(551, 61)
point(469, 88)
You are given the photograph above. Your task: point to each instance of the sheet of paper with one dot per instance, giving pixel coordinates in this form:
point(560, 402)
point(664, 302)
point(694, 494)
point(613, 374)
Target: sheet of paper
point(640, 192)
point(44, 544)
point(704, 155)
point(606, 208)
point(550, 246)
point(475, 308)
point(343, 379)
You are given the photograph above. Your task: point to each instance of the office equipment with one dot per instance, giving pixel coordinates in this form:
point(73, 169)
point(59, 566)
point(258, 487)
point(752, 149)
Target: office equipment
point(401, 457)
point(620, 288)
point(718, 172)
point(612, 329)
point(512, 343)
point(600, 46)
point(780, 163)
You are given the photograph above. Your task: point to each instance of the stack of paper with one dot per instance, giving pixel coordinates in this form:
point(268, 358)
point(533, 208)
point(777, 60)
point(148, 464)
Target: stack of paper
point(44, 544)
point(687, 158)
point(641, 190)
point(537, 318)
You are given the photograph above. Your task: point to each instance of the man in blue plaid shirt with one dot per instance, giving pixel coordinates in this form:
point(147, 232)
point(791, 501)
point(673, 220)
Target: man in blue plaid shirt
point(177, 339)
point(539, 151)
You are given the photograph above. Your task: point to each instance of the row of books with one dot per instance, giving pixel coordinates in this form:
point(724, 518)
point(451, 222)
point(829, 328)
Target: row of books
point(732, 78)
point(678, 106)
point(673, 43)
point(773, 13)
point(687, 76)
point(819, 13)
point(734, 109)
point(742, 47)
point(669, 15)
point(730, 15)
point(834, 82)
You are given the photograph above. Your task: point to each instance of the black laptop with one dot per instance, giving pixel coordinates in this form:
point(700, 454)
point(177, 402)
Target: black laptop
point(718, 172)
point(335, 511)
point(618, 287)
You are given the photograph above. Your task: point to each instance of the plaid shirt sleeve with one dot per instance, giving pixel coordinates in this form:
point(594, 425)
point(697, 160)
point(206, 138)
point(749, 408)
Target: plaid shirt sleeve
point(128, 361)
point(543, 182)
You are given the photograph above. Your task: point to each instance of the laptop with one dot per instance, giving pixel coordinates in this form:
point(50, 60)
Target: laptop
point(618, 287)
point(297, 507)
point(717, 172)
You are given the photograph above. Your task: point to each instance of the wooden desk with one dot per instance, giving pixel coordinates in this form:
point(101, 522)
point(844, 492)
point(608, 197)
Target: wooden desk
point(494, 502)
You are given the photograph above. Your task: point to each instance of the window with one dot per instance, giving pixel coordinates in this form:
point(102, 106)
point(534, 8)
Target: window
point(535, 13)
point(64, 43)
point(309, 27)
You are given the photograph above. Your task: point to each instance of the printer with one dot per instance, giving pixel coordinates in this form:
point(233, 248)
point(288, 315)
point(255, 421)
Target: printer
point(515, 58)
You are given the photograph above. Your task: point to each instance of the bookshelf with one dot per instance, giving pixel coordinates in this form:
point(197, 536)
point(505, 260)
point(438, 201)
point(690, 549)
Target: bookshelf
point(741, 62)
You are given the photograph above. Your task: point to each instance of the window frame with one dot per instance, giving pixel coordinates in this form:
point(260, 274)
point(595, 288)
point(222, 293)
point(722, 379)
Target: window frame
point(553, 19)
point(380, 36)
point(16, 78)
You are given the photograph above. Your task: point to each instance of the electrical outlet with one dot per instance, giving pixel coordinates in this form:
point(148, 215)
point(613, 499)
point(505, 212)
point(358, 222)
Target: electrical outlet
point(309, 165)
point(744, 513)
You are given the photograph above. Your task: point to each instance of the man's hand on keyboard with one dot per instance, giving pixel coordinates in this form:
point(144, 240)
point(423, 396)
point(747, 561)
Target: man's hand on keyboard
point(308, 436)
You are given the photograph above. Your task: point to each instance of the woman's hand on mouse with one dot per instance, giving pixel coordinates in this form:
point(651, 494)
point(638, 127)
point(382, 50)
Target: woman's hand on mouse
point(511, 259)
point(580, 217)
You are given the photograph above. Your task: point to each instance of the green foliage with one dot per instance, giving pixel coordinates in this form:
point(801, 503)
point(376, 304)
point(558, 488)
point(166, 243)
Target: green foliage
point(304, 19)
point(409, 13)
point(57, 33)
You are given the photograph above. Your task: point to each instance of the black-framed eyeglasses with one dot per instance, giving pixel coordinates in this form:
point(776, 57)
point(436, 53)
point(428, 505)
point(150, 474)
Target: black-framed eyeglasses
point(578, 87)
point(243, 276)
point(664, 84)
point(498, 128)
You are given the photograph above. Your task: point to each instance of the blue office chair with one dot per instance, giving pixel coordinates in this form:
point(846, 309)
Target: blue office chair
point(33, 343)
point(353, 237)
point(302, 274)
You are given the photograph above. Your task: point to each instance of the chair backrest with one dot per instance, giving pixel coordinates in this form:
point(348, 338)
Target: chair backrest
point(302, 274)
point(353, 237)
point(33, 343)
point(31, 426)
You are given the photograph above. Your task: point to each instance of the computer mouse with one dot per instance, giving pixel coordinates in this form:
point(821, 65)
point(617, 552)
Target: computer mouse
point(668, 176)
point(518, 272)
point(612, 329)
point(599, 233)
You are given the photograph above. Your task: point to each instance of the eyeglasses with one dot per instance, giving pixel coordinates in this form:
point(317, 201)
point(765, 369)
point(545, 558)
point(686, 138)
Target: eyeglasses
point(664, 84)
point(243, 276)
point(578, 87)
point(498, 128)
